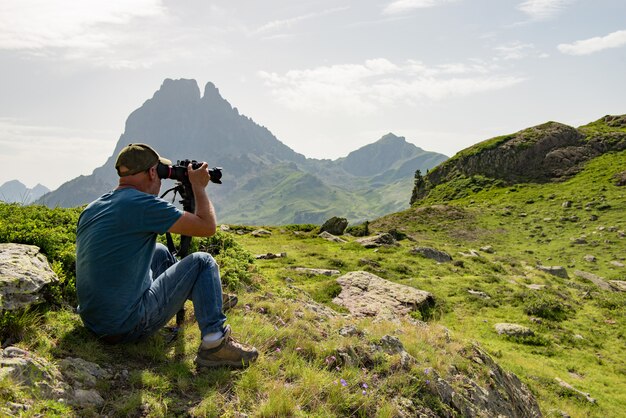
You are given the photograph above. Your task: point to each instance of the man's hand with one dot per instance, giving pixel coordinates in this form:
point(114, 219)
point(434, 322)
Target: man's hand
point(199, 177)
point(202, 223)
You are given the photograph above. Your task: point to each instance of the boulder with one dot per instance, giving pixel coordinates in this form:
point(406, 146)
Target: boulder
point(330, 237)
point(270, 256)
point(557, 271)
point(575, 392)
point(335, 226)
point(513, 330)
point(618, 285)
point(261, 233)
point(365, 294)
point(377, 241)
point(432, 253)
point(73, 379)
point(315, 272)
point(82, 373)
point(593, 278)
point(24, 272)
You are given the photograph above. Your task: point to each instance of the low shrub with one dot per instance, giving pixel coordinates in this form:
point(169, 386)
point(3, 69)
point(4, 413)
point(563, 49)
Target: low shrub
point(547, 306)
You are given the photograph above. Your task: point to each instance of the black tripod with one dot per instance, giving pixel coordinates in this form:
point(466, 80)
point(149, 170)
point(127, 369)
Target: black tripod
point(189, 205)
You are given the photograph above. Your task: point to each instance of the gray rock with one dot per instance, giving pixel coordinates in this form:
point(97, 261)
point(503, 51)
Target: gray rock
point(504, 396)
point(470, 253)
point(577, 393)
point(513, 330)
point(365, 294)
point(24, 272)
point(478, 293)
point(270, 256)
point(350, 331)
point(432, 253)
point(595, 279)
point(487, 249)
point(618, 285)
point(590, 258)
point(617, 263)
point(33, 372)
point(554, 270)
point(323, 272)
point(330, 237)
point(87, 398)
point(335, 225)
point(379, 240)
point(261, 233)
point(82, 373)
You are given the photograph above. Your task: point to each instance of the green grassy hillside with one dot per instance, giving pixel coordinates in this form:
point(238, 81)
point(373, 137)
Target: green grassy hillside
point(579, 329)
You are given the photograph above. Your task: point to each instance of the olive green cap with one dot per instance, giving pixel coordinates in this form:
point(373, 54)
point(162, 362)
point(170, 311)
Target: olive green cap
point(137, 158)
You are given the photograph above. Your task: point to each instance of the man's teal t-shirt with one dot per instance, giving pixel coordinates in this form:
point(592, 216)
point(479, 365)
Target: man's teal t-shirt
point(115, 241)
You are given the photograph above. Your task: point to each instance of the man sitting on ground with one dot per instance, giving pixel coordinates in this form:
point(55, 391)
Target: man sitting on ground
point(128, 285)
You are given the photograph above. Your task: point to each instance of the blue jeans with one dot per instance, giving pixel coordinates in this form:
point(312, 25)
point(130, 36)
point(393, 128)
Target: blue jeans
point(195, 277)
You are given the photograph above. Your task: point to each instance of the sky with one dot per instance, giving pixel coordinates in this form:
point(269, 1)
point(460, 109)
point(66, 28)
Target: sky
point(325, 77)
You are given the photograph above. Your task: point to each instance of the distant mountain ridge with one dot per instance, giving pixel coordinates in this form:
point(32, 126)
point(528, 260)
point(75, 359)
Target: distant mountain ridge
point(265, 181)
point(15, 192)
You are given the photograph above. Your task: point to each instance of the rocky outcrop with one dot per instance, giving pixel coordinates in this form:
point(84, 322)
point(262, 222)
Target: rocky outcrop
point(24, 273)
point(503, 396)
point(335, 225)
point(497, 393)
point(548, 152)
point(365, 294)
point(72, 380)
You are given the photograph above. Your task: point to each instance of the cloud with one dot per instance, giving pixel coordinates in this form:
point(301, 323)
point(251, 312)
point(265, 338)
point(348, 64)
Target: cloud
point(596, 44)
point(377, 83)
point(113, 33)
point(277, 25)
point(404, 6)
point(39, 24)
point(543, 9)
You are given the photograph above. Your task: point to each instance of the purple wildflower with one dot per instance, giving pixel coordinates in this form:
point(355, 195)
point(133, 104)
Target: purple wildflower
point(343, 382)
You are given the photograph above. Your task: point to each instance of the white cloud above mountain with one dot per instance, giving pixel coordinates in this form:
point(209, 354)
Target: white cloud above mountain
point(368, 86)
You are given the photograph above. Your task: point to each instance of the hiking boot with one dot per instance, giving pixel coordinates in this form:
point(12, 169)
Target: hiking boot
point(228, 301)
point(226, 352)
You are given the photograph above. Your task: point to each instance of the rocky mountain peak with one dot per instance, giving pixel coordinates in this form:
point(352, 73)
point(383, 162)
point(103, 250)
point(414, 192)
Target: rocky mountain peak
point(388, 152)
point(181, 90)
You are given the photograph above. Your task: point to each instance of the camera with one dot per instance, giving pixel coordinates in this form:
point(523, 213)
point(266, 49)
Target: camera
point(179, 171)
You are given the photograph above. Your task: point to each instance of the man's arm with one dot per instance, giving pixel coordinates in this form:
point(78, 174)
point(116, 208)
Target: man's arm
point(203, 222)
